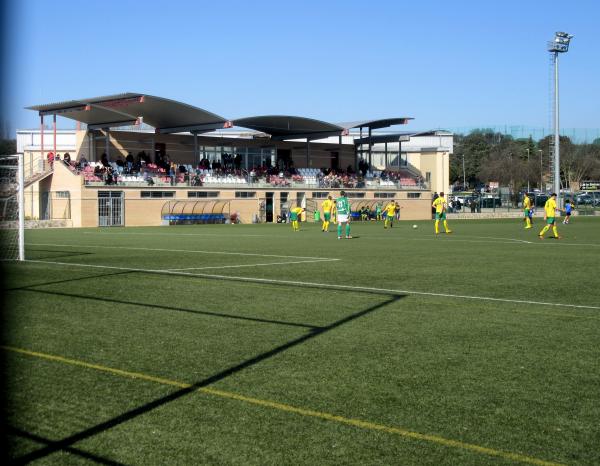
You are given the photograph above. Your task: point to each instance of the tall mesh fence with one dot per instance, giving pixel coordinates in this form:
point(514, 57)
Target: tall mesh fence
point(11, 202)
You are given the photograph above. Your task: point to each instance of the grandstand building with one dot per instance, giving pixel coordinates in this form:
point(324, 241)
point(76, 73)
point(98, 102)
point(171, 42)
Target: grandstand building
point(140, 160)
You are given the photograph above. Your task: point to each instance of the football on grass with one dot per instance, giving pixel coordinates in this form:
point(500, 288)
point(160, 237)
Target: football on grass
point(415, 226)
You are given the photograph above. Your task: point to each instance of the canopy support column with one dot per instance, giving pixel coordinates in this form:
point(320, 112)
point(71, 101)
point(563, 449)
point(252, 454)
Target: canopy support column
point(42, 138)
point(307, 152)
point(196, 158)
point(386, 155)
point(89, 138)
point(399, 153)
point(54, 131)
point(370, 158)
point(360, 145)
point(107, 144)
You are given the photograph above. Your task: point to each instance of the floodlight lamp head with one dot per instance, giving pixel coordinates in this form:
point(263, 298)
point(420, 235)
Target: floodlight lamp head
point(565, 35)
point(560, 44)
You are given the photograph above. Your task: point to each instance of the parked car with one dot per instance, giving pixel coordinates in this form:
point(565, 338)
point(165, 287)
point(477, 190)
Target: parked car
point(585, 199)
point(489, 202)
point(538, 198)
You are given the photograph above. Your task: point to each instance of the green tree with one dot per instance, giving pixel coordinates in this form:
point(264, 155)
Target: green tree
point(579, 163)
point(476, 148)
point(8, 146)
point(506, 165)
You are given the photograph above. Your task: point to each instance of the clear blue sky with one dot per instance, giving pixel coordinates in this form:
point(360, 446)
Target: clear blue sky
point(448, 64)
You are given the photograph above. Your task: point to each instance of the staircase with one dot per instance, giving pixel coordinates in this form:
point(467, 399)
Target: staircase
point(36, 171)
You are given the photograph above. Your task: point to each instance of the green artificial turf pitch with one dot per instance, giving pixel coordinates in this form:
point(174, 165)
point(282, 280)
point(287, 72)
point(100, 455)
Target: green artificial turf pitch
point(252, 344)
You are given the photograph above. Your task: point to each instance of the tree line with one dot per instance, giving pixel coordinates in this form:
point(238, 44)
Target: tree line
point(8, 146)
point(483, 156)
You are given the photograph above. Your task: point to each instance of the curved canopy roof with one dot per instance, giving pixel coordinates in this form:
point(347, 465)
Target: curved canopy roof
point(399, 137)
point(165, 115)
point(170, 116)
point(374, 124)
point(290, 127)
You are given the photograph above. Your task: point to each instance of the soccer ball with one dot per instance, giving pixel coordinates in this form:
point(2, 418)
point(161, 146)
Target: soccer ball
point(415, 226)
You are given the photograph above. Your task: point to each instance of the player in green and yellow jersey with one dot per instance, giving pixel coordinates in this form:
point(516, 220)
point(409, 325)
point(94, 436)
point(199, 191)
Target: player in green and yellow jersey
point(378, 211)
point(390, 214)
point(326, 206)
point(440, 205)
point(342, 207)
point(550, 209)
point(526, 209)
point(294, 213)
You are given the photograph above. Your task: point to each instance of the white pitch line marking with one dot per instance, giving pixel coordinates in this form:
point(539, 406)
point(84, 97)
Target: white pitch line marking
point(110, 233)
point(453, 240)
point(503, 240)
point(177, 250)
point(252, 265)
point(322, 285)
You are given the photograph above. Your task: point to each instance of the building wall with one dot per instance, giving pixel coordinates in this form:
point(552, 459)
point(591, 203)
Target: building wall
point(140, 211)
point(438, 164)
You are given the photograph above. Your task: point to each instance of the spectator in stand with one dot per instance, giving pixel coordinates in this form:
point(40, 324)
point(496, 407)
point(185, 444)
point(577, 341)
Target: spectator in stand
point(173, 172)
point(129, 162)
point(104, 160)
point(120, 164)
point(67, 159)
point(50, 158)
point(147, 176)
point(111, 176)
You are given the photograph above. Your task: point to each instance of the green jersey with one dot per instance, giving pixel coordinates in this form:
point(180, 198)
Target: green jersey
point(342, 206)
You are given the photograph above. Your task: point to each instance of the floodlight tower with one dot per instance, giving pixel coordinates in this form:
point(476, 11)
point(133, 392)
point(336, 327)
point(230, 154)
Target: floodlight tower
point(560, 44)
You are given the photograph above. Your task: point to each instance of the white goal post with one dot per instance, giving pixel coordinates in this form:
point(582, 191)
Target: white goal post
point(12, 207)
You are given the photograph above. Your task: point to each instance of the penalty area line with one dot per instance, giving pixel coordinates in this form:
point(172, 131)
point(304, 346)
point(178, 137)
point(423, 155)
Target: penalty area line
point(283, 407)
point(252, 265)
point(196, 251)
point(331, 286)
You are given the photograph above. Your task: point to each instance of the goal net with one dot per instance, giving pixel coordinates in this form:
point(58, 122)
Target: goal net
point(12, 215)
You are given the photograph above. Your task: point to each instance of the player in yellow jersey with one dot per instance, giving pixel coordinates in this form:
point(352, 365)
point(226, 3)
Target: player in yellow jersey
point(326, 206)
point(550, 209)
point(390, 214)
point(294, 214)
point(526, 209)
point(440, 205)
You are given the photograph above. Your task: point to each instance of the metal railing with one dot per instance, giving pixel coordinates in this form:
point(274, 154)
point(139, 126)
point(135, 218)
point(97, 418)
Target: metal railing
point(191, 180)
point(511, 203)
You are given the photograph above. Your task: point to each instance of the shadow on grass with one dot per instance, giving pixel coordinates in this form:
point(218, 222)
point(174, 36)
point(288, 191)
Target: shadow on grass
point(74, 451)
point(54, 254)
point(66, 443)
point(163, 307)
point(66, 280)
